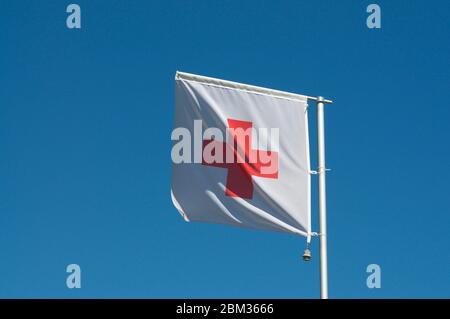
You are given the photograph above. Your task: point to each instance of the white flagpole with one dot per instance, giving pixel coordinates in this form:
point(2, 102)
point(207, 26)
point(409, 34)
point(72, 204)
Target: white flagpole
point(322, 198)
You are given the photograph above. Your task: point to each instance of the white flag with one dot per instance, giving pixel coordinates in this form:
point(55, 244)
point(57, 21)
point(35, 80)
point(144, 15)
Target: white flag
point(241, 155)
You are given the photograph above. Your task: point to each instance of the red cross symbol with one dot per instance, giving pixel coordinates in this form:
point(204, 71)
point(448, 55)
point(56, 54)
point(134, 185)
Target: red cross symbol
point(240, 172)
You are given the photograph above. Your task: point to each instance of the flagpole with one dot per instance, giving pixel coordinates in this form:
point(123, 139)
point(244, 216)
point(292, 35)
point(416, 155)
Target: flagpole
point(322, 198)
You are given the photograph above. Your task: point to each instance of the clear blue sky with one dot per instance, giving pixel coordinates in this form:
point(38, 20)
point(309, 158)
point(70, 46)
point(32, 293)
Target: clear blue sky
point(85, 123)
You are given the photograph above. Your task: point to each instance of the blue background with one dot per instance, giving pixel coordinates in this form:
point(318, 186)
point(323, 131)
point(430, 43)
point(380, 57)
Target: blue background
point(85, 123)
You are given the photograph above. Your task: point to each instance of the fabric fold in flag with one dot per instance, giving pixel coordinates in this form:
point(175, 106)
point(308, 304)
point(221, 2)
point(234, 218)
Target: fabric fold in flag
point(240, 155)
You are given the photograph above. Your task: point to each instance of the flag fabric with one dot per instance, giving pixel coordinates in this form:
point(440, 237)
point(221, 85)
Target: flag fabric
point(261, 135)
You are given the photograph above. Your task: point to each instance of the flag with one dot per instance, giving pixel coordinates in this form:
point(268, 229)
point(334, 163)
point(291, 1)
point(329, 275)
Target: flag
point(240, 155)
